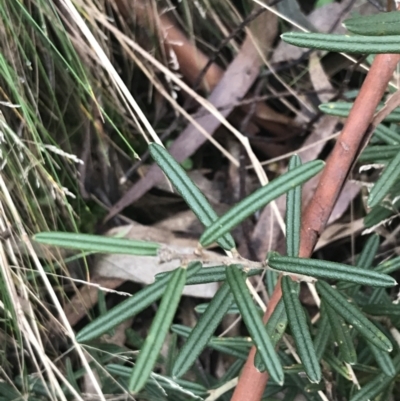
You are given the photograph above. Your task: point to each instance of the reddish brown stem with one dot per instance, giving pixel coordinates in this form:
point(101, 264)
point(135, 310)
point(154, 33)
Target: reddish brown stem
point(252, 383)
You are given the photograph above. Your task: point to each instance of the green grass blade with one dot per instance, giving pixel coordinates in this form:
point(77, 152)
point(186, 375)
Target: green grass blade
point(385, 182)
point(300, 330)
point(353, 316)
point(98, 243)
point(254, 323)
point(259, 199)
point(204, 329)
point(344, 43)
point(189, 192)
point(131, 307)
point(342, 109)
point(158, 331)
point(341, 334)
point(329, 270)
point(375, 25)
point(293, 213)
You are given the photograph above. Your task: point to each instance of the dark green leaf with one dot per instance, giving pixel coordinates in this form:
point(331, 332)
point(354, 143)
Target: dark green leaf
point(375, 25)
point(389, 266)
point(337, 365)
point(300, 331)
point(188, 190)
point(382, 309)
point(204, 329)
point(379, 153)
point(276, 327)
point(387, 135)
point(376, 385)
point(344, 43)
point(236, 346)
point(383, 360)
point(132, 306)
point(385, 182)
point(323, 335)
point(158, 331)
point(259, 199)
point(353, 316)
point(342, 336)
point(342, 109)
point(98, 243)
point(254, 323)
point(167, 383)
point(211, 275)
point(329, 270)
point(293, 213)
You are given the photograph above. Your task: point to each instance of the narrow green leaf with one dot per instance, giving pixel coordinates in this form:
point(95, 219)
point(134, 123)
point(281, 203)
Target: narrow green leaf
point(379, 213)
point(211, 275)
point(383, 360)
point(254, 323)
point(270, 280)
point(98, 243)
point(376, 385)
point(375, 25)
point(337, 365)
point(389, 266)
point(342, 336)
point(385, 182)
point(329, 270)
point(342, 109)
point(189, 192)
point(184, 386)
point(293, 213)
point(368, 253)
point(379, 153)
point(259, 199)
point(204, 329)
point(353, 316)
point(382, 309)
point(233, 309)
point(132, 306)
point(236, 346)
point(300, 331)
point(387, 135)
point(365, 260)
point(277, 323)
point(158, 331)
point(344, 43)
point(275, 327)
point(323, 334)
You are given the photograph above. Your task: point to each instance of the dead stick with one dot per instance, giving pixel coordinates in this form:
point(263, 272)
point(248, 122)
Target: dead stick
point(252, 383)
